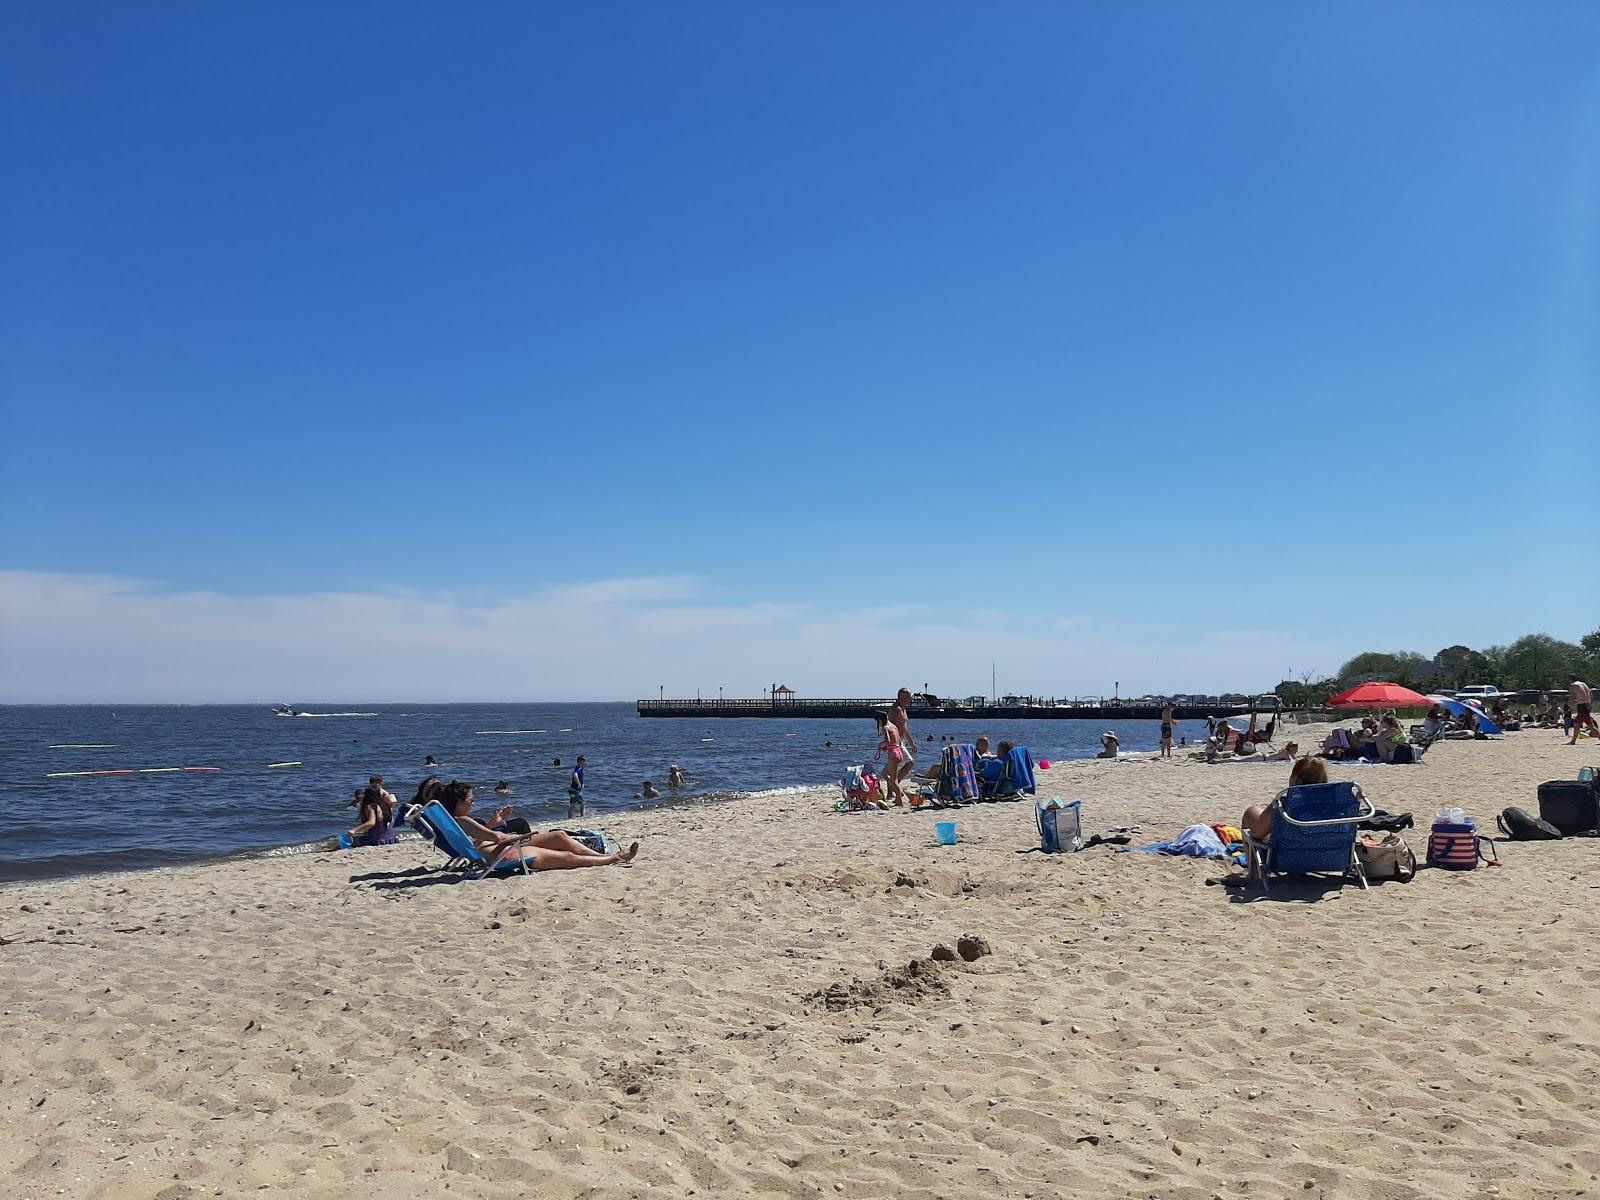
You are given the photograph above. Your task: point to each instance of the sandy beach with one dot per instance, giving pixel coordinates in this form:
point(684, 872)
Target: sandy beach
point(750, 1011)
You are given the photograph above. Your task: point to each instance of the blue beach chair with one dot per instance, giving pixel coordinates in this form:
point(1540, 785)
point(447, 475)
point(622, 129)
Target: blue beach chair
point(1018, 780)
point(1008, 778)
point(1313, 831)
point(441, 830)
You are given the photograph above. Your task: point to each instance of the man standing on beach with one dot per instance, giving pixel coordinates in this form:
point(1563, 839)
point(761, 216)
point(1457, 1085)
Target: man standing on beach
point(575, 789)
point(1582, 697)
point(900, 718)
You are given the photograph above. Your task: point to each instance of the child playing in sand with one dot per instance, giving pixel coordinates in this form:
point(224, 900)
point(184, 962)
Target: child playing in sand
point(891, 749)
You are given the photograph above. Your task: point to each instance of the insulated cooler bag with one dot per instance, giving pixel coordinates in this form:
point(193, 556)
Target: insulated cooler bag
point(1570, 805)
point(1457, 847)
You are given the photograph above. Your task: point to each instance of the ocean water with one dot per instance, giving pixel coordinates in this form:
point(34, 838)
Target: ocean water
point(247, 805)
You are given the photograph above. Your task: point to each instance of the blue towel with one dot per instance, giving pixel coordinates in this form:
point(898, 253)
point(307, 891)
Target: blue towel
point(1196, 841)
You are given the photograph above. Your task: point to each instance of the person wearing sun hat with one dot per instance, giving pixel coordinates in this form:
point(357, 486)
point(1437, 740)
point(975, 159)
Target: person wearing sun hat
point(1108, 745)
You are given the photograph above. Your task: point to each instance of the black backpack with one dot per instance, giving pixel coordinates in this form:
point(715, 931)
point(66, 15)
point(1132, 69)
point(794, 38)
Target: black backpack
point(1522, 826)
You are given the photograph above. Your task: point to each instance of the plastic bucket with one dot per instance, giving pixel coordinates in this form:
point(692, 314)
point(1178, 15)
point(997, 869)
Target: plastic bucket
point(947, 832)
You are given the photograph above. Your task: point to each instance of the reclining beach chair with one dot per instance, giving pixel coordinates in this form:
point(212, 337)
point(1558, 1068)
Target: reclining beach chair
point(1013, 779)
point(1313, 832)
point(958, 776)
point(440, 830)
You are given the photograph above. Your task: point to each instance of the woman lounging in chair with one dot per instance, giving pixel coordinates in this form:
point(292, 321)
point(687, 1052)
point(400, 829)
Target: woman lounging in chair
point(1257, 819)
point(557, 851)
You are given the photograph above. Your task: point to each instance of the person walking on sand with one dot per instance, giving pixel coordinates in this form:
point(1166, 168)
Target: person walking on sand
point(1166, 732)
point(1582, 697)
point(892, 750)
point(900, 718)
point(575, 789)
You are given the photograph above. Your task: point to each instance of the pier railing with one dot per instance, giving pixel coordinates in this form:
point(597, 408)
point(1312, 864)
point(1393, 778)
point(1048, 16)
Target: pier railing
point(945, 711)
point(763, 705)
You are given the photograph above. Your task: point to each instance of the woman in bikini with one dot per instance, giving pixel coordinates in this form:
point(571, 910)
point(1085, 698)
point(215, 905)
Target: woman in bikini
point(890, 749)
point(556, 851)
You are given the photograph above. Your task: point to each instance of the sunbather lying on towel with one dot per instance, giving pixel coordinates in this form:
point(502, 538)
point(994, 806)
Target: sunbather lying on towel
point(556, 851)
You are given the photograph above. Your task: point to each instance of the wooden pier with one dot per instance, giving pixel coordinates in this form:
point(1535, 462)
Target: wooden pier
point(794, 709)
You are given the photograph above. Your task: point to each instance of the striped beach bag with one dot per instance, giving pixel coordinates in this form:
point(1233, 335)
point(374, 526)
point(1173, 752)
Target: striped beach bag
point(1456, 846)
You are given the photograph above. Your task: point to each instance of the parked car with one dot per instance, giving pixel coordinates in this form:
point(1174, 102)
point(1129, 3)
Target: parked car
point(1268, 703)
point(1478, 691)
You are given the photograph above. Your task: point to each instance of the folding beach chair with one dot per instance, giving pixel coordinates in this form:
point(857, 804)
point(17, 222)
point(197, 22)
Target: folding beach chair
point(1014, 779)
point(440, 830)
point(1313, 831)
point(958, 776)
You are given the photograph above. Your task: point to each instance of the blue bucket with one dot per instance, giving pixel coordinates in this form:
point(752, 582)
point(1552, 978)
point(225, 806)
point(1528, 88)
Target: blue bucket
point(947, 832)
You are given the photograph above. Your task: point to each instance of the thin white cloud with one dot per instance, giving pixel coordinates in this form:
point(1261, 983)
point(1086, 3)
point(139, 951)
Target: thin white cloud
point(71, 638)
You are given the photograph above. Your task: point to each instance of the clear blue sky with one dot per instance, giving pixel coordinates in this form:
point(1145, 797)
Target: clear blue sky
point(1177, 344)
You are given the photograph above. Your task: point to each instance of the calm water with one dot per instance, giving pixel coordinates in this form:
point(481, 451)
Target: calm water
point(246, 805)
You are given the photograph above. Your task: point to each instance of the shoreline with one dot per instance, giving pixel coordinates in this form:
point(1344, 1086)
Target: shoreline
point(328, 845)
point(751, 1010)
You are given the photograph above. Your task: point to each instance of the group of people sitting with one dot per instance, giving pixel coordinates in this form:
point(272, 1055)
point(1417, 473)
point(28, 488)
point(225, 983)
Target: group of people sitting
point(1380, 739)
point(502, 838)
point(1001, 772)
point(1228, 743)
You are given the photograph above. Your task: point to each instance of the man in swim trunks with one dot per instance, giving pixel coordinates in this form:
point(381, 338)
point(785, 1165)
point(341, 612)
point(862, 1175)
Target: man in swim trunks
point(899, 718)
point(1582, 697)
point(575, 789)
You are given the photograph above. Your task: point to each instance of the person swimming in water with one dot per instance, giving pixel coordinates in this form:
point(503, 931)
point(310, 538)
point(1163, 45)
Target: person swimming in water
point(502, 788)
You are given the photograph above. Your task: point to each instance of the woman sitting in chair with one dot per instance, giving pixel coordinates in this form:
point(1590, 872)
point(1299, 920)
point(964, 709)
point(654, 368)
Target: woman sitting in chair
point(557, 851)
point(1257, 819)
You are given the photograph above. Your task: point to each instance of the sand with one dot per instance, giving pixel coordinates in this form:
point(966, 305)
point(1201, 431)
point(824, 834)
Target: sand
point(751, 1011)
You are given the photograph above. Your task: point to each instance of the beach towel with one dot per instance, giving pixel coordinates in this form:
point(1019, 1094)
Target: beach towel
point(1019, 771)
point(958, 779)
point(1196, 841)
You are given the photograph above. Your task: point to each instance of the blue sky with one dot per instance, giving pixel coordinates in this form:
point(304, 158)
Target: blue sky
point(568, 350)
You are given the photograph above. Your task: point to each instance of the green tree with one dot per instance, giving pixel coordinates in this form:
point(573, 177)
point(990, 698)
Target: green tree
point(1590, 664)
point(1539, 661)
point(1390, 666)
point(1459, 666)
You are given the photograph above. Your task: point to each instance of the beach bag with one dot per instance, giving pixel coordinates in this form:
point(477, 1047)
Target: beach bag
point(1390, 858)
point(860, 786)
point(1456, 846)
point(591, 838)
point(1520, 825)
point(1060, 825)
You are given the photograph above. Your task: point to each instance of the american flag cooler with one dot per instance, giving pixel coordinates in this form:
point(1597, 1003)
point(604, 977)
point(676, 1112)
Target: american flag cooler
point(1453, 847)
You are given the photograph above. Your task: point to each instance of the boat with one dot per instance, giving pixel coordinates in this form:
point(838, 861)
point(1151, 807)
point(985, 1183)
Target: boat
point(284, 710)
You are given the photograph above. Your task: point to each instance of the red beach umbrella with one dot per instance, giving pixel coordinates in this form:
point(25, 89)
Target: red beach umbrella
point(1379, 695)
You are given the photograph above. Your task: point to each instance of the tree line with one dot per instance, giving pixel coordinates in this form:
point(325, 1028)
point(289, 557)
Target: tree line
point(1535, 661)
